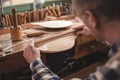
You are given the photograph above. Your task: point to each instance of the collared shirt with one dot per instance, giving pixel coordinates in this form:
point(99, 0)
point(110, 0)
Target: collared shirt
point(110, 71)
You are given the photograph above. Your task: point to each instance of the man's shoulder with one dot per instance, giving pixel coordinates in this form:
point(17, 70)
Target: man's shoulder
point(114, 58)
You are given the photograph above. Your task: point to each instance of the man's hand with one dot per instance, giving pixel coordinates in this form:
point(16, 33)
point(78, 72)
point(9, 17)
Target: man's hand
point(83, 30)
point(31, 53)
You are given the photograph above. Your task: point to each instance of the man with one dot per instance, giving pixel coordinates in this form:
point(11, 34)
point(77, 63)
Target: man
point(102, 17)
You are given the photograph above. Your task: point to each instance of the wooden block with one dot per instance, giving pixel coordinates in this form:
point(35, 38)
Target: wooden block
point(33, 32)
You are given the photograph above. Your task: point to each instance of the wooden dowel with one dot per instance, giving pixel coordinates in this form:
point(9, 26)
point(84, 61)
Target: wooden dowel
point(17, 44)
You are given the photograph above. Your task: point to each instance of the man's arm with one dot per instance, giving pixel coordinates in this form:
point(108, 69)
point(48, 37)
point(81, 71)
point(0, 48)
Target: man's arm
point(39, 70)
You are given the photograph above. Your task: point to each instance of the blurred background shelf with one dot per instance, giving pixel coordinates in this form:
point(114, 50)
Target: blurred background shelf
point(28, 5)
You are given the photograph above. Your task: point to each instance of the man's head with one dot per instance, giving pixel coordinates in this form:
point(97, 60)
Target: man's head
point(97, 14)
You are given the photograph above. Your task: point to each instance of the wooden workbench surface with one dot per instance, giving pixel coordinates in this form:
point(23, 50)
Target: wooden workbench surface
point(6, 42)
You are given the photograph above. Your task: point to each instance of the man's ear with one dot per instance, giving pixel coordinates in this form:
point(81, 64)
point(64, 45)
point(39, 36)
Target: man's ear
point(91, 18)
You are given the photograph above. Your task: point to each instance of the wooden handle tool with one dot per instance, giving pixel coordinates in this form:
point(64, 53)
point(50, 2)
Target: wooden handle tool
point(15, 21)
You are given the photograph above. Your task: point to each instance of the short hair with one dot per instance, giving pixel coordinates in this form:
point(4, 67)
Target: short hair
point(107, 8)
